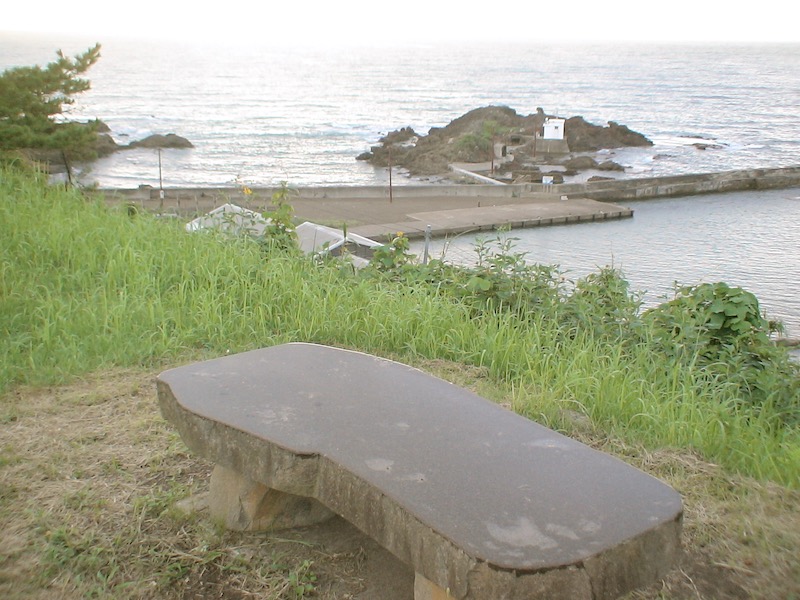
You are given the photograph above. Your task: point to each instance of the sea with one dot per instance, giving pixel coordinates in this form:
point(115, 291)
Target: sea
point(260, 114)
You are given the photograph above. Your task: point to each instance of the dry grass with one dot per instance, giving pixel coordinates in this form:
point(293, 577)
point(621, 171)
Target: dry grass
point(89, 477)
point(90, 474)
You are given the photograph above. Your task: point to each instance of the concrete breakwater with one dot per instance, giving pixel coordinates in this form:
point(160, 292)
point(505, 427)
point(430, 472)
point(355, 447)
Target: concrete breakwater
point(685, 185)
point(611, 189)
point(377, 211)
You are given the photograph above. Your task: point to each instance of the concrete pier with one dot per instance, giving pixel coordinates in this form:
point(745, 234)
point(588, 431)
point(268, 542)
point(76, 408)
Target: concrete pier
point(377, 212)
point(544, 211)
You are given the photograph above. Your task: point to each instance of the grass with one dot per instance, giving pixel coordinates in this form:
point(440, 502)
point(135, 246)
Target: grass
point(90, 476)
point(88, 511)
point(87, 288)
point(90, 473)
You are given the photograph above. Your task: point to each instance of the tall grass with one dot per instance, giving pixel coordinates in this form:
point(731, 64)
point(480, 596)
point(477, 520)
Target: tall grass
point(84, 287)
point(632, 396)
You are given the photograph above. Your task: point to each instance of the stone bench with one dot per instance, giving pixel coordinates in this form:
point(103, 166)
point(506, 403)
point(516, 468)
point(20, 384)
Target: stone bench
point(481, 502)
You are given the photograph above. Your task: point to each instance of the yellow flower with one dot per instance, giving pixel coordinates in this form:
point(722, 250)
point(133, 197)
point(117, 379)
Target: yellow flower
point(247, 191)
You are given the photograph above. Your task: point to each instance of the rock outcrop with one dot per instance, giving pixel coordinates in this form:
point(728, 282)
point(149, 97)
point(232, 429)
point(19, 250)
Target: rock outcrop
point(486, 134)
point(162, 141)
point(56, 161)
point(105, 144)
point(586, 137)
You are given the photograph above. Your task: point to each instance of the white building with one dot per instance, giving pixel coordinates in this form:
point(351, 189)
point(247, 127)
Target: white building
point(553, 129)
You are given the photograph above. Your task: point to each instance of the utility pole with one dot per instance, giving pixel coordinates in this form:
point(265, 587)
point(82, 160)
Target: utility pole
point(390, 174)
point(160, 183)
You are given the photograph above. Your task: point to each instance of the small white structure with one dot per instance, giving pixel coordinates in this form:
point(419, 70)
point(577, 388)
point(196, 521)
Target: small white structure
point(322, 240)
point(312, 238)
point(231, 219)
point(553, 129)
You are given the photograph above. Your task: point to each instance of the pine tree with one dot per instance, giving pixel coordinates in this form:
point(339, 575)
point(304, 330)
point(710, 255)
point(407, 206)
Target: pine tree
point(33, 100)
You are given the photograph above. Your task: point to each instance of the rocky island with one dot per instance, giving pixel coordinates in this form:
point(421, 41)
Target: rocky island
point(512, 147)
point(105, 144)
point(57, 162)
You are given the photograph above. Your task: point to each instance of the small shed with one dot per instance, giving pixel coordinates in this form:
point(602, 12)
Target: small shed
point(319, 239)
point(311, 237)
point(553, 129)
point(232, 219)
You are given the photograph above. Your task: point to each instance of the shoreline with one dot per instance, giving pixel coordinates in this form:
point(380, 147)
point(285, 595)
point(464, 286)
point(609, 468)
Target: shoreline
point(414, 213)
point(450, 209)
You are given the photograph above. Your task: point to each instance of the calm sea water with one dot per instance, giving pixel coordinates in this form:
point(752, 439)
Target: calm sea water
point(746, 239)
point(262, 115)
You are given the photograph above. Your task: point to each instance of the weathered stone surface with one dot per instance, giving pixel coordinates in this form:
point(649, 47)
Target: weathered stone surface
point(580, 162)
point(425, 589)
point(627, 565)
point(567, 583)
point(246, 505)
point(479, 501)
point(583, 136)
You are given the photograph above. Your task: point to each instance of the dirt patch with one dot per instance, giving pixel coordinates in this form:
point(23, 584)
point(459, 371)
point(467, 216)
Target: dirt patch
point(90, 475)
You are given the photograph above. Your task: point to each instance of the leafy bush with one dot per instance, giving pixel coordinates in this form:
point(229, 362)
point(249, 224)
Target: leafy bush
point(394, 256)
point(603, 304)
point(712, 317)
point(720, 328)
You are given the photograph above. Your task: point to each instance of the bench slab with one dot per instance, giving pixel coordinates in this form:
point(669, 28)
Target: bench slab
point(481, 502)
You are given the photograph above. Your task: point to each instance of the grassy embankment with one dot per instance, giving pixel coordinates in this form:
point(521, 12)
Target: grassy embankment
point(87, 290)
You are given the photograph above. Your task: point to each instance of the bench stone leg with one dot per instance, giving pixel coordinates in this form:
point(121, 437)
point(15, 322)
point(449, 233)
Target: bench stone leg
point(245, 505)
point(424, 589)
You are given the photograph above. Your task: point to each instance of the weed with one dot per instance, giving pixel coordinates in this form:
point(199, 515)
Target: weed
point(393, 256)
point(280, 233)
point(720, 329)
point(80, 555)
point(86, 288)
point(301, 580)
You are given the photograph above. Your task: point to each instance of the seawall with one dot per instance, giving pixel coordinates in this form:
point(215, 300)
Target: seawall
point(685, 185)
point(607, 190)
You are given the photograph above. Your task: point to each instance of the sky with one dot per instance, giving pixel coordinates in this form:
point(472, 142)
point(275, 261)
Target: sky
point(362, 22)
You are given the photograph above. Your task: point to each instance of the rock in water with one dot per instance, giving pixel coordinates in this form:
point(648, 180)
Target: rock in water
point(475, 136)
point(162, 141)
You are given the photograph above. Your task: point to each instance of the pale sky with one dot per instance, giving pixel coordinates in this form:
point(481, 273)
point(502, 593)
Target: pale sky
point(356, 22)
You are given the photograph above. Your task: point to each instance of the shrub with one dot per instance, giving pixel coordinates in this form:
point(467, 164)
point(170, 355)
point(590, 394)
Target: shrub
point(473, 148)
point(721, 329)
